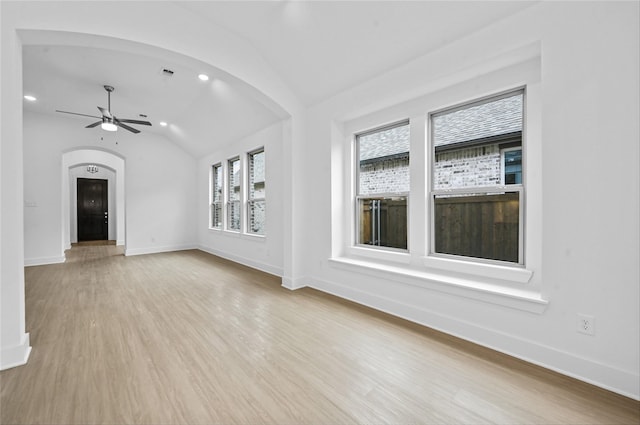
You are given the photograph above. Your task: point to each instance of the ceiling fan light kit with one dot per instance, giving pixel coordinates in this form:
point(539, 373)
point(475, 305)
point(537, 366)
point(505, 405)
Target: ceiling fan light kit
point(109, 126)
point(108, 121)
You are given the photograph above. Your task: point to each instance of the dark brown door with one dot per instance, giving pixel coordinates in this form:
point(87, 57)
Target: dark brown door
point(93, 220)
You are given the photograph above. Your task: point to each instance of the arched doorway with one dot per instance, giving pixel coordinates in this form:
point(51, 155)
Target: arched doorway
point(74, 166)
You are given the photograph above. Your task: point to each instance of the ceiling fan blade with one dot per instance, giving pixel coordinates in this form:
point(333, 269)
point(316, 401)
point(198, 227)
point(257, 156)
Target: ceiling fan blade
point(95, 124)
point(134, 121)
point(75, 113)
point(105, 112)
point(126, 127)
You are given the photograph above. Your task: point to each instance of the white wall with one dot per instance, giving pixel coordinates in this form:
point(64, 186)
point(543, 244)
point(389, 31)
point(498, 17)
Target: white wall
point(588, 227)
point(160, 186)
point(261, 252)
point(14, 341)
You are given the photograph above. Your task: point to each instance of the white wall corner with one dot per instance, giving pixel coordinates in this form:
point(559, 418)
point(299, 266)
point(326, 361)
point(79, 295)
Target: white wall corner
point(16, 355)
point(263, 267)
point(294, 283)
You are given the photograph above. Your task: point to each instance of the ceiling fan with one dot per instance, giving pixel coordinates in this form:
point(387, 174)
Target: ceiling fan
point(108, 121)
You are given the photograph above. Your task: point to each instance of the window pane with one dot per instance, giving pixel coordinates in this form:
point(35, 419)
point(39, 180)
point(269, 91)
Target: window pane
point(256, 176)
point(480, 226)
point(233, 212)
point(513, 167)
point(257, 215)
point(234, 180)
point(234, 215)
point(383, 161)
point(216, 215)
point(477, 121)
point(467, 142)
point(216, 196)
point(383, 222)
point(217, 183)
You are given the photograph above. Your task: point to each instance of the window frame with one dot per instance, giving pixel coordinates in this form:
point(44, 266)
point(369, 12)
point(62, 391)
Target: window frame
point(381, 195)
point(213, 202)
point(229, 202)
point(511, 286)
point(250, 200)
point(478, 190)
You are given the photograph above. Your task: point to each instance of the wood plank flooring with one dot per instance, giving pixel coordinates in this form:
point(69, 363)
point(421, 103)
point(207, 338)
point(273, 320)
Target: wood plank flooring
point(189, 338)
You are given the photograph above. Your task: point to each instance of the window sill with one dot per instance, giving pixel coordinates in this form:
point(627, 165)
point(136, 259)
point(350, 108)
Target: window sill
point(525, 299)
point(493, 271)
point(380, 254)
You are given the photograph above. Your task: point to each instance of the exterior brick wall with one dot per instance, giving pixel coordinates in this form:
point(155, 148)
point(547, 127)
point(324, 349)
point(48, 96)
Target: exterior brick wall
point(387, 176)
point(471, 167)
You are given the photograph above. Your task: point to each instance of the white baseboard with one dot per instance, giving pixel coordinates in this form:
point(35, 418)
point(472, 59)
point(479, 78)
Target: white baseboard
point(294, 283)
point(28, 262)
point(267, 268)
point(570, 364)
point(16, 355)
point(158, 249)
point(119, 242)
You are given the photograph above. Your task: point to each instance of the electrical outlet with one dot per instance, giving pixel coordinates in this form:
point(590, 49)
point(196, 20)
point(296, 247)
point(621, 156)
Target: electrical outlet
point(586, 324)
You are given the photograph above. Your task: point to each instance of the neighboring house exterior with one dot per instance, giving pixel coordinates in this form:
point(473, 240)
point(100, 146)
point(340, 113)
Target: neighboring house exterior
point(477, 145)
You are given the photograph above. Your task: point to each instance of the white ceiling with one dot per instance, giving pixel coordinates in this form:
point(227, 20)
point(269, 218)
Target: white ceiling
point(318, 49)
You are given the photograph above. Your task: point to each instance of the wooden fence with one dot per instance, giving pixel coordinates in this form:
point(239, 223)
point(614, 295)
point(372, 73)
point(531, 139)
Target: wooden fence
point(393, 223)
point(484, 226)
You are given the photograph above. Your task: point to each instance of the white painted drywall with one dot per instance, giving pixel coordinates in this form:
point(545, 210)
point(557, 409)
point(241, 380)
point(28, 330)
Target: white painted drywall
point(589, 224)
point(159, 195)
point(261, 252)
point(14, 340)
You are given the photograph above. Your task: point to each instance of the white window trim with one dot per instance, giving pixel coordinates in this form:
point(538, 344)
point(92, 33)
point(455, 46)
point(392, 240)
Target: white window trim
point(249, 200)
point(212, 203)
point(516, 286)
point(228, 200)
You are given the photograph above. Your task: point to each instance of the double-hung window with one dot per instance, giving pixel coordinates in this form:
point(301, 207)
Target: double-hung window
point(216, 196)
point(477, 192)
point(256, 204)
point(382, 186)
point(233, 195)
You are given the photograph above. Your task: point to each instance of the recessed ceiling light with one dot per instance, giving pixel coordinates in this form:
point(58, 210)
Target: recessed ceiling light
point(203, 77)
point(30, 98)
point(162, 123)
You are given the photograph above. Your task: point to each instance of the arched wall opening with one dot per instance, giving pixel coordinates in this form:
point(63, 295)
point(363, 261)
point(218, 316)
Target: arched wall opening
point(112, 162)
point(25, 23)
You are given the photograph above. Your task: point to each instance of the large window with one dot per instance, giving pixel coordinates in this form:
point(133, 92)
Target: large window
point(216, 196)
point(382, 186)
point(256, 204)
point(477, 191)
point(233, 195)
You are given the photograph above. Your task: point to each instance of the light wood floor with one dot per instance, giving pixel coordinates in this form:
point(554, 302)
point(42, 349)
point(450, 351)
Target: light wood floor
point(188, 338)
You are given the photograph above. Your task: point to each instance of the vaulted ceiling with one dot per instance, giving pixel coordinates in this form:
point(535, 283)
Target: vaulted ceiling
point(317, 48)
